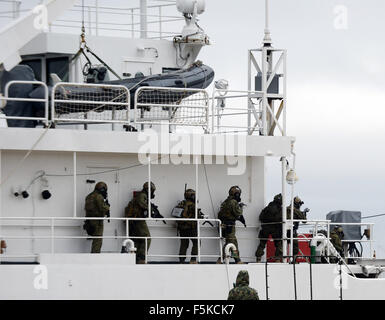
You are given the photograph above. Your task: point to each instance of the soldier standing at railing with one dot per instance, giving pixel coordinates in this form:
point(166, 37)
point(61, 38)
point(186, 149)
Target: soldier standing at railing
point(297, 215)
point(96, 207)
point(188, 228)
point(271, 219)
point(231, 210)
point(138, 208)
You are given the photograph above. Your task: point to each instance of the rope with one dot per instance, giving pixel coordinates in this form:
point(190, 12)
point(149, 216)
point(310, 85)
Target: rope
point(208, 188)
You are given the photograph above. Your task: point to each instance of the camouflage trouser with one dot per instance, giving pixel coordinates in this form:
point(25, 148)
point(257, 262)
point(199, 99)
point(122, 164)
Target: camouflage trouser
point(140, 229)
point(228, 232)
point(98, 232)
point(276, 232)
point(295, 242)
point(184, 243)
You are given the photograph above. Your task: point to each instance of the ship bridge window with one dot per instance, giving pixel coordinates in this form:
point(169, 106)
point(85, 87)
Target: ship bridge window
point(36, 66)
point(43, 66)
point(60, 66)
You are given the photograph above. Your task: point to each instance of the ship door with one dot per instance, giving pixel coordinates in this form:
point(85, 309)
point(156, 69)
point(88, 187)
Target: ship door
point(114, 228)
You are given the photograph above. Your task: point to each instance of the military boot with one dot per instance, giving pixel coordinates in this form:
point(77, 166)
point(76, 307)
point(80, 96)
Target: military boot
point(193, 262)
point(219, 261)
point(258, 260)
point(141, 262)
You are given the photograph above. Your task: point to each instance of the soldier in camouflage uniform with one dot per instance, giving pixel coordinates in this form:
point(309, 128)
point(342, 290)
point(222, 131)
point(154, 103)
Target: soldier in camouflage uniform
point(241, 290)
point(138, 208)
point(272, 213)
point(96, 206)
point(336, 237)
point(231, 210)
point(188, 228)
point(297, 215)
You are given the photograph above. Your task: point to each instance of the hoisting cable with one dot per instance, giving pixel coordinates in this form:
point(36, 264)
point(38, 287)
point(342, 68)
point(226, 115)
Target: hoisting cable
point(83, 48)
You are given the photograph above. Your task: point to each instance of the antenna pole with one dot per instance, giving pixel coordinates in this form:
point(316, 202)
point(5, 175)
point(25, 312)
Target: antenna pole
point(267, 39)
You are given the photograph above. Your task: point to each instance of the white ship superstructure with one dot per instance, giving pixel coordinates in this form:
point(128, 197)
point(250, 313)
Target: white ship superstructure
point(208, 138)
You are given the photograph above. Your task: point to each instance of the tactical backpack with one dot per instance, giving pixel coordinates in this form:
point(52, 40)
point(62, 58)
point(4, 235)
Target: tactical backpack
point(90, 204)
point(129, 211)
point(271, 213)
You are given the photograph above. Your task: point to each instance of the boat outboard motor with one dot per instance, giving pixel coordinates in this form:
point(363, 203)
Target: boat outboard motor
point(95, 74)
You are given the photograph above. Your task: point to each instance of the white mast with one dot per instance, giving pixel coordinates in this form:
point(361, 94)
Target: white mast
point(267, 39)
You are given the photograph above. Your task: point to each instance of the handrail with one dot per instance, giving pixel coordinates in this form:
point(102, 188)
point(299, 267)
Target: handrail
point(109, 101)
point(52, 237)
point(201, 120)
point(44, 100)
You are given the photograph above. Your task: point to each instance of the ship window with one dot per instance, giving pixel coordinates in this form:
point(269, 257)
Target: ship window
point(35, 65)
point(60, 66)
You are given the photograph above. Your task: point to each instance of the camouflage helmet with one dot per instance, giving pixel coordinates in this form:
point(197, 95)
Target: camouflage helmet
point(338, 229)
point(242, 278)
point(100, 185)
point(278, 198)
point(298, 201)
point(189, 194)
point(234, 190)
point(145, 186)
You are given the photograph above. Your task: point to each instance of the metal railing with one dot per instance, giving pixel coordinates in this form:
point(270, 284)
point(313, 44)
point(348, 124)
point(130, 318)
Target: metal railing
point(90, 103)
point(44, 100)
point(83, 103)
point(316, 227)
point(12, 9)
point(173, 106)
point(243, 105)
point(136, 22)
point(105, 19)
point(53, 236)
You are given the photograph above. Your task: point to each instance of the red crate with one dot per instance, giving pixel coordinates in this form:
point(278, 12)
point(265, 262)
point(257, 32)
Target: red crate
point(304, 248)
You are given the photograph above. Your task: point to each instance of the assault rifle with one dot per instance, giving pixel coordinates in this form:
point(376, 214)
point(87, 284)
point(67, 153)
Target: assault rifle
point(108, 214)
point(202, 216)
point(155, 212)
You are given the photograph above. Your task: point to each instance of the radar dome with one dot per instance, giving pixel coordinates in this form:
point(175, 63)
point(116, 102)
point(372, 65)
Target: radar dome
point(187, 6)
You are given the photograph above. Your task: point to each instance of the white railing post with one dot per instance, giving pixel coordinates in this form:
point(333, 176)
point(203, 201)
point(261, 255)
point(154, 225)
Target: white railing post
point(149, 188)
point(97, 17)
point(143, 19)
point(284, 240)
point(52, 235)
point(160, 22)
point(132, 24)
point(75, 184)
point(1, 197)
